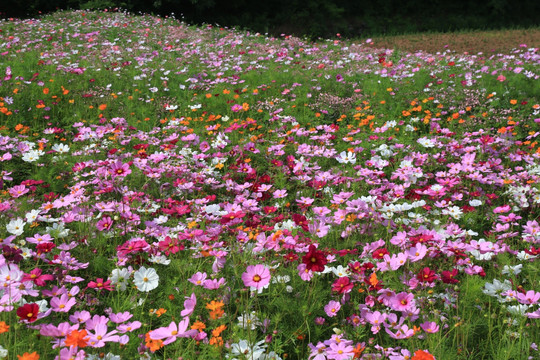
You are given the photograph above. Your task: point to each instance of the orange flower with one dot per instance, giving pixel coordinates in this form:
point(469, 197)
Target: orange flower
point(45, 91)
point(160, 312)
point(245, 106)
point(422, 355)
point(513, 102)
point(198, 325)
point(216, 314)
point(3, 327)
point(153, 345)
point(217, 331)
point(373, 281)
point(102, 107)
point(27, 356)
point(358, 350)
point(216, 341)
point(77, 338)
point(215, 305)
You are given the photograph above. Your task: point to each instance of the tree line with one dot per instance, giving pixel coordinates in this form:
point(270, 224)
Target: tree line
point(316, 18)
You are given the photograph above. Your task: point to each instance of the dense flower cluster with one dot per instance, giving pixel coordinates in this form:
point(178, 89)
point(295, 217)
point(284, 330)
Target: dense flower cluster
point(255, 220)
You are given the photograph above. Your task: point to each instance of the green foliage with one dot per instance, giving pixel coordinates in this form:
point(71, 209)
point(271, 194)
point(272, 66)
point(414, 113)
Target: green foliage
point(317, 18)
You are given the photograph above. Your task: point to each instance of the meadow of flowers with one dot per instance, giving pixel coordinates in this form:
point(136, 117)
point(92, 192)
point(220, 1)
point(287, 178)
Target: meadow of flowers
point(179, 192)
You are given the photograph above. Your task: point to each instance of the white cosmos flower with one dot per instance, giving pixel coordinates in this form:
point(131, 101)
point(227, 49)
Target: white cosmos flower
point(475, 202)
point(15, 227)
point(453, 211)
point(497, 287)
point(346, 157)
point(425, 142)
point(512, 270)
point(32, 155)
point(119, 278)
point(159, 259)
point(61, 148)
point(250, 321)
point(32, 215)
point(245, 350)
point(3, 352)
point(146, 279)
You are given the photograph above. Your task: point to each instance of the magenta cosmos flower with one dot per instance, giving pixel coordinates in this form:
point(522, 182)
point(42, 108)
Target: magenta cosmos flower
point(256, 276)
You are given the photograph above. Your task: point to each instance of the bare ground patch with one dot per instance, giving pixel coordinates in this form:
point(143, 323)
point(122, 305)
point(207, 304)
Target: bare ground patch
point(487, 42)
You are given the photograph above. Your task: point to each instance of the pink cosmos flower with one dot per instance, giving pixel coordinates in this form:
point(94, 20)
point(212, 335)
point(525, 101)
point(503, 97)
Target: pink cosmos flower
point(173, 332)
point(105, 223)
point(63, 303)
point(189, 305)
point(100, 284)
point(198, 278)
point(128, 327)
point(37, 277)
point(529, 298)
point(304, 273)
point(120, 317)
point(18, 190)
point(72, 353)
point(100, 336)
point(430, 327)
point(332, 308)
point(318, 352)
point(402, 301)
point(256, 276)
point(80, 317)
point(376, 319)
point(213, 284)
point(403, 332)
point(119, 169)
point(340, 351)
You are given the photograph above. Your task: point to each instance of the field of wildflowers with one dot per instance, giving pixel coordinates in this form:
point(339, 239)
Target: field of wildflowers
point(177, 192)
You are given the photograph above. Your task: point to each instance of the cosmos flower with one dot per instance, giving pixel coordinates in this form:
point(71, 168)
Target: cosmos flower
point(146, 279)
point(256, 276)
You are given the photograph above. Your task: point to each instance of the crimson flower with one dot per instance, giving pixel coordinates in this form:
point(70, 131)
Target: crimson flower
point(314, 259)
point(426, 275)
point(449, 277)
point(170, 246)
point(290, 257)
point(28, 312)
point(231, 216)
point(342, 285)
point(44, 248)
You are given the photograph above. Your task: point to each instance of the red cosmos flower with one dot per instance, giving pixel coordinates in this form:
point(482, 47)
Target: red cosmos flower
point(37, 277)
point(99, 284)
point(426, 275)
point(301, 221)
point(231, 216)
point(290, 257)
point(379, 253)
point(449, 277)
point(356, 267)
point(28, 312)
point(342, 285)
point(170, 246)
point(44, 248)
point(314, 259)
